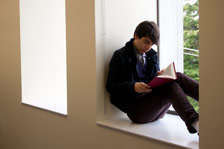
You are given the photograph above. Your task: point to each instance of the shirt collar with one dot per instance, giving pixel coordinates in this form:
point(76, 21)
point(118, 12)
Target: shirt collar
point(139, 54)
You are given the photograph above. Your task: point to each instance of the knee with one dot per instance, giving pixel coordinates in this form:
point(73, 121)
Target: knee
point(179, 74)
point(171, 87)
point(174, 87)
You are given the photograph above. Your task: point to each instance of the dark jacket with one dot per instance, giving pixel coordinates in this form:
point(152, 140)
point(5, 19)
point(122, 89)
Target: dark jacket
point(123, 75)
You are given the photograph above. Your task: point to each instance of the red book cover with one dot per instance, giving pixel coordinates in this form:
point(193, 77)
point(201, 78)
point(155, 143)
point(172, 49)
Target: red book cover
point(167, 76)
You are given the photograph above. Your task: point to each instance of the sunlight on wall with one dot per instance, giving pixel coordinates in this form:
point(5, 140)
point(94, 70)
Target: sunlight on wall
point(43, 54)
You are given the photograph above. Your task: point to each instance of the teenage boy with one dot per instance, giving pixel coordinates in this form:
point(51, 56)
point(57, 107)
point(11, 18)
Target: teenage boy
point(136, 64)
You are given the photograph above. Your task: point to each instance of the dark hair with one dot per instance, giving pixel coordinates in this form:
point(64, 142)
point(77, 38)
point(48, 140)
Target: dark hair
point(148, 29)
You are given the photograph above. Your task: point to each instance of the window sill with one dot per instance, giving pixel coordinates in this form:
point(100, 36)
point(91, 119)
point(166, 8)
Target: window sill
point(171, 129)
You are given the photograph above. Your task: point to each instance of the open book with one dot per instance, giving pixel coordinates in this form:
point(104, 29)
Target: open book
point(167, 76)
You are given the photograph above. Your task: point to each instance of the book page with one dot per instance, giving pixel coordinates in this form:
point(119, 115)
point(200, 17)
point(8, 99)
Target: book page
point(166, 76)
point(169, 72)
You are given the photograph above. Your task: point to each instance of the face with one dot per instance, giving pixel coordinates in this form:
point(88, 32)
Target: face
point(143, 44)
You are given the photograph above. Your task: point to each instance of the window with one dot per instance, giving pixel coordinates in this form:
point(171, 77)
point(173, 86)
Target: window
point(190, 50)
point(191, 43)
point(114, 27)
point(43, 54)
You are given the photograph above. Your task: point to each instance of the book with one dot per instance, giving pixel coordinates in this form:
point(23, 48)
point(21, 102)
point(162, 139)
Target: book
point(169, 74)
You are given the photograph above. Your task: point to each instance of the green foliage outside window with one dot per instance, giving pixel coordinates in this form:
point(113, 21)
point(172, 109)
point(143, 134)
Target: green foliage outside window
point(191, 40)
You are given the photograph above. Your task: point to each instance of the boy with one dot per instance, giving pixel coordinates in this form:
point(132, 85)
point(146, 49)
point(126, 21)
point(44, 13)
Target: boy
point(136, 64)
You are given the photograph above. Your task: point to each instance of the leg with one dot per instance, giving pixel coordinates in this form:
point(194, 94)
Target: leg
point(154, 105)
point(150, 107)
point(182, 106)
point(189, 86)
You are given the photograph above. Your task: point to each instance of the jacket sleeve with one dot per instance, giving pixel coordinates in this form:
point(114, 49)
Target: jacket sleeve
point(116, 84)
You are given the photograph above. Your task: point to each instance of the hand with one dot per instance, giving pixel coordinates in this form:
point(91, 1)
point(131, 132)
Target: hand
point(160, 72)
point(141, 87)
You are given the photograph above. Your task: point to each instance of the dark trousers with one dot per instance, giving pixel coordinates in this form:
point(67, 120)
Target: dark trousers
point(154, 105)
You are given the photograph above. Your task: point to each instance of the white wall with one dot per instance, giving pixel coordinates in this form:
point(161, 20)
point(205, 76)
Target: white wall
point(115, 24)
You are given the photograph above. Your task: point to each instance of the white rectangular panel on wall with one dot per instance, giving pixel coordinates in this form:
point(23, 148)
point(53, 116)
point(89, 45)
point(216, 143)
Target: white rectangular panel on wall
point(120, 18)
point(43, 54)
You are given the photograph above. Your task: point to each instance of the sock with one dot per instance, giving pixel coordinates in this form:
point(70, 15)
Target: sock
point(195, 124)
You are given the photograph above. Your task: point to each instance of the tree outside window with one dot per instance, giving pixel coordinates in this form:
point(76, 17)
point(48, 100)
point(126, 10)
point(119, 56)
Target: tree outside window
point(191, 42)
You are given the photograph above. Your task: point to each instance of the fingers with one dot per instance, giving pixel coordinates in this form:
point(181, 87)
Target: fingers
point(141, 87)
point(160, 72)
point(146, 90)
